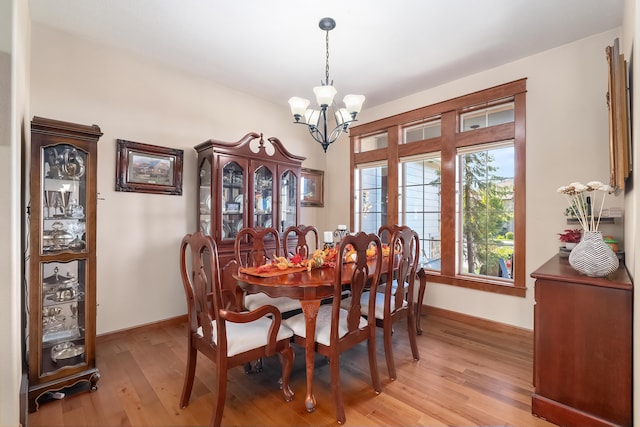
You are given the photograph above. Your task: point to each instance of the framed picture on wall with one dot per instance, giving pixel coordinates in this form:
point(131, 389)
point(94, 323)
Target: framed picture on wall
point(312, 188)
point(146, 168)
point(619, 132)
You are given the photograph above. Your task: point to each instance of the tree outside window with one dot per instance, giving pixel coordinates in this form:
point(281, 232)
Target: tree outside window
point(486, 217)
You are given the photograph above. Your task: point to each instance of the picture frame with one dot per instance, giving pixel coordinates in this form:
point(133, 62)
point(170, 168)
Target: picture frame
point(312, 187)
point(146, 168)
point(620, 165)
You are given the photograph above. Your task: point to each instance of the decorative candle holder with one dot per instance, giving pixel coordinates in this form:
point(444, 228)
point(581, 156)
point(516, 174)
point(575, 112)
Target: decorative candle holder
point(328, 240)
point(340, 232)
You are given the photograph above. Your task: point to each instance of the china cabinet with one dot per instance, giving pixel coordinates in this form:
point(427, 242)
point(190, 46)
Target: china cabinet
point(582, 359)
point(248, 183)
point(62, 259)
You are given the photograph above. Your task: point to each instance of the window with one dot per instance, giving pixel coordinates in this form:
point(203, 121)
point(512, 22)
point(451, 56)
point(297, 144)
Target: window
point(420, 204)
point(373, 142)
point(484, 211)
point(486, 117)
point(371, 198)
point(457, 178)
point(425, 130)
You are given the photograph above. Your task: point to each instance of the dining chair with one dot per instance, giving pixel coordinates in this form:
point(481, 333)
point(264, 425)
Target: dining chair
point(385, 233)
point(226, 336)
point(257, 255)
point(394, 299)
point(338, 328)
point(263, 245)
point(301, 245)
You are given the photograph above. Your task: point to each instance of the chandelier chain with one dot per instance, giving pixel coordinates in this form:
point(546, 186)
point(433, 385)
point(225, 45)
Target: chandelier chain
point(327, 65)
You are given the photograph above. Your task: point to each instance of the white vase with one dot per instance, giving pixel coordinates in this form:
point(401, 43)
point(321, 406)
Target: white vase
point(592, 256)
point(570, 245)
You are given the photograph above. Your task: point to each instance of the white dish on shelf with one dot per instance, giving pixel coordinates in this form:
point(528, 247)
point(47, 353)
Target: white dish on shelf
point(238, 199)
point(267, 223)
point(239, 226)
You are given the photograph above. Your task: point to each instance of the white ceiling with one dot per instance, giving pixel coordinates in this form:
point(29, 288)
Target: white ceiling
point(380, 48)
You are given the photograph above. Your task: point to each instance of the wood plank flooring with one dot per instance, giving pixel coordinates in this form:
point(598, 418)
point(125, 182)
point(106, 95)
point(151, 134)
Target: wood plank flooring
point(468, 375)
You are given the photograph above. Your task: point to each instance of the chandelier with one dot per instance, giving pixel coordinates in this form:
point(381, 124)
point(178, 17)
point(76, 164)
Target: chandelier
point(316, 120)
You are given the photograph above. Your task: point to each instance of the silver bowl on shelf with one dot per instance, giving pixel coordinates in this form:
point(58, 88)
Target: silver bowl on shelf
point(66, 350)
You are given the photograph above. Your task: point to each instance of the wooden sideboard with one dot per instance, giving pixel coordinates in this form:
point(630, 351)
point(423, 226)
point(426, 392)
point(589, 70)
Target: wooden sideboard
point(582, 370)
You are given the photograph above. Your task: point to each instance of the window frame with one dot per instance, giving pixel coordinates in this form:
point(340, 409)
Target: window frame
point(358, 212)
point(402, 201)
point(451, 139)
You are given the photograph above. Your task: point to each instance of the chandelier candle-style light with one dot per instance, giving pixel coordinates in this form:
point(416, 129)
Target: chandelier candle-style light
point(324, 96)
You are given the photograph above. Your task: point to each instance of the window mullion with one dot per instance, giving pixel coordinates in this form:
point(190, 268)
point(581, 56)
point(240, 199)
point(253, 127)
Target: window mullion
point(393, 165)
point(448, 193)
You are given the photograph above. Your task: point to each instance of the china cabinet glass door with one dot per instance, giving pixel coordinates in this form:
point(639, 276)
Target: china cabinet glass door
point(205, 196)
point(263, 197)
point(63, 315)
point(233, 179)
point(63, 225)
point(64, 197)
point(288, 200)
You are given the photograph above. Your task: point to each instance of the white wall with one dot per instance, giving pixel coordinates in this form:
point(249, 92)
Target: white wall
point(567, 140)
point(14, 42)
point(135, 99)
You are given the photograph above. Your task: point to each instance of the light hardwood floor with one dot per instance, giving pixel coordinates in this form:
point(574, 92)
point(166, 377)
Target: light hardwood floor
point(469, 374)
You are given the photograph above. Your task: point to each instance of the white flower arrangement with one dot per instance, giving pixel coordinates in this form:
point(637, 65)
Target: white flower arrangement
point(582, 198)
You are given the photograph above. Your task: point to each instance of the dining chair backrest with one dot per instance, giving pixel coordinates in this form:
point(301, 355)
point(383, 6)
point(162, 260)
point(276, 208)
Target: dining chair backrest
point(404, 254)
point(385, 232)
point(255, 247)
point(262, 243)
point(360, 279)
point(200, 277)
point(300, 245)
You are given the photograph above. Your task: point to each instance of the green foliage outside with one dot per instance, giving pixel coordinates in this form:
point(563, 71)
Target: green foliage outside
point(484, 215)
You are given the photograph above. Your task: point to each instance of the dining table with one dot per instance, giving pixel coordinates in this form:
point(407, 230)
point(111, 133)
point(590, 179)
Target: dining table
point(310, 287)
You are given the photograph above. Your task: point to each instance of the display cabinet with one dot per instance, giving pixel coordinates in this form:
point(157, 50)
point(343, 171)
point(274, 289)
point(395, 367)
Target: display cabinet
point(62, 259)
point(248, 183)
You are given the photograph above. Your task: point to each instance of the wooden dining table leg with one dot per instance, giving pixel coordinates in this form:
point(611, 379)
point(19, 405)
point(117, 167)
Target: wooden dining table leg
point(310, 310)
point(422, 275)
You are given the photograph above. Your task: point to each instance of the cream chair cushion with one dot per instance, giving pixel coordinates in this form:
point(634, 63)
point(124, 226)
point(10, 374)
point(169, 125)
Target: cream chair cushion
point(242, 337)
point(323, 324)
point(283, 304)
